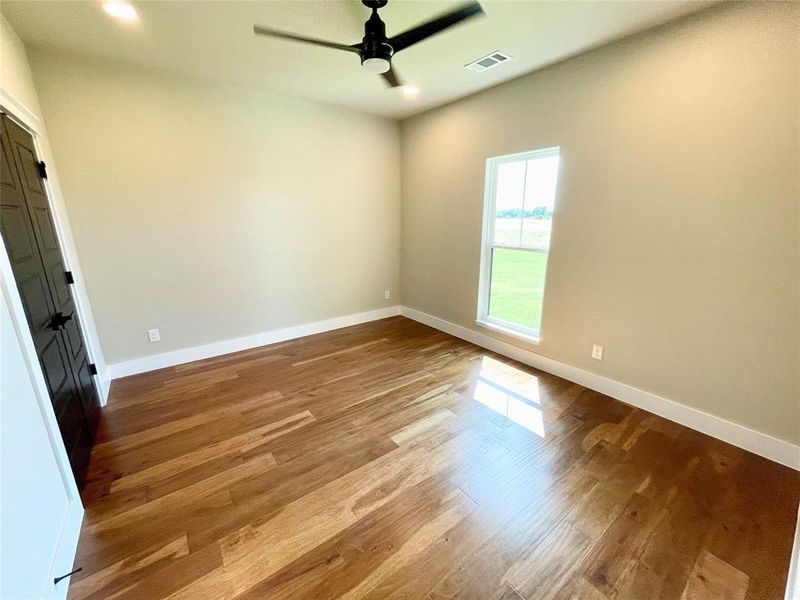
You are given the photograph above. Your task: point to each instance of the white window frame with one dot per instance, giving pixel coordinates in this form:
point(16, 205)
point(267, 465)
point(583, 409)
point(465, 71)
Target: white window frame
point(488, 244)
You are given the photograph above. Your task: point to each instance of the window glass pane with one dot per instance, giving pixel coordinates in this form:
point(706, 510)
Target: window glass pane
point(524, 200)
point(540, 196)
point(517, 286)
point(508, 202)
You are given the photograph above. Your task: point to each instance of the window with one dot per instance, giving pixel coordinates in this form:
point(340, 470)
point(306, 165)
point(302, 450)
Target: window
point(517, 220)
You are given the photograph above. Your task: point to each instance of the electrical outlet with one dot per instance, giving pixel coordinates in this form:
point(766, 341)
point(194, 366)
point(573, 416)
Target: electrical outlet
point(153, 335)
point(597, 352)
point(387, 295)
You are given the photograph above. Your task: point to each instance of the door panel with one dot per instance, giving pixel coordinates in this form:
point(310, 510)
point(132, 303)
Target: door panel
point(73, 337)
point(57, 373)
point(30, 172)
point(49, 243)
point(6, 179)
point(32, 244)
point(86, 386)
point(35, 299)
point(20, 241)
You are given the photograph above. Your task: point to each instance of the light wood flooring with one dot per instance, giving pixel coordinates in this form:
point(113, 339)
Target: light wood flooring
point(390, 460)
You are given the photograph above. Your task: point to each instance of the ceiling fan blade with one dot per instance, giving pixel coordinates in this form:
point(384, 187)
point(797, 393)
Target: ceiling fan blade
point(258, 30)
point(391, 78)
point(434, 26)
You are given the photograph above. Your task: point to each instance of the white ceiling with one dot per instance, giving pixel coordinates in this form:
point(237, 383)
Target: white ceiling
point(214, 40)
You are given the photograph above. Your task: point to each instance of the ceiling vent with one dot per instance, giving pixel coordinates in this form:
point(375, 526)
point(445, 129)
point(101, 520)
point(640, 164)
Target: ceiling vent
point(488, 61)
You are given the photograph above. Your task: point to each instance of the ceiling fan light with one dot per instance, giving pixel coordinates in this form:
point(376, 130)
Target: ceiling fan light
point(376, 65)
point(121, 10)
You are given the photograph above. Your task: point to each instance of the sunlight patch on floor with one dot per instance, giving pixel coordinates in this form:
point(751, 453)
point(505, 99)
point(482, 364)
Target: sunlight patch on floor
point(510, 392)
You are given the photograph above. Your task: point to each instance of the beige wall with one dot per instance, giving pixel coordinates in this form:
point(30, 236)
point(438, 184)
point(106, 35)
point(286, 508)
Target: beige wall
point(214, 212)
point(675, 242)
point(18, 94)
point(15, 73)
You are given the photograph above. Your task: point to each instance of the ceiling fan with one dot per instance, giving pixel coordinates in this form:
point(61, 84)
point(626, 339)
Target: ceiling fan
point(376, 50)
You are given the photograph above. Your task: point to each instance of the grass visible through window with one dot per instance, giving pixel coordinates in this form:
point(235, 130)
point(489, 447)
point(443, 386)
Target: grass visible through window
point(517, 286)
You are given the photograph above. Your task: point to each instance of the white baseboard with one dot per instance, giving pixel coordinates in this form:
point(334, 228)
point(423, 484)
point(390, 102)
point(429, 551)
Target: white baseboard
point(65, 551)
point(185, 355)
point(756, 442)
point(793, 580)
point(103, 387)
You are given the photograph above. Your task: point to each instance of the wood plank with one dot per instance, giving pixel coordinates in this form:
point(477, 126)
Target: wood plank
point(355, 348)
point(578, 588)
point(116, 578)
point(240, 443)
point(485, 569)
point(507, 592)
point(544, 571)
point(195, 492)
point(616, 553)
point(414, 429)
point(422, 539)
point(714, 579)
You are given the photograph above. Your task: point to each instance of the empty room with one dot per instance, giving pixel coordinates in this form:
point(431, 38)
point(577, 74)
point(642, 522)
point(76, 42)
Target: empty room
point(400, 299)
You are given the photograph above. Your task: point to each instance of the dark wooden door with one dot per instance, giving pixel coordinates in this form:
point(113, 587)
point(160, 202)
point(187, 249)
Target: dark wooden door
point(32, 245)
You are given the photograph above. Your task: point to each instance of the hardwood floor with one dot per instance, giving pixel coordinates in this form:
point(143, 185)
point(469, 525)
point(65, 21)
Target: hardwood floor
point(390, 460)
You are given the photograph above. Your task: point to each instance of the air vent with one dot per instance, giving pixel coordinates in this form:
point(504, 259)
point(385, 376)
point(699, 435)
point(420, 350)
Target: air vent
point(488, 61)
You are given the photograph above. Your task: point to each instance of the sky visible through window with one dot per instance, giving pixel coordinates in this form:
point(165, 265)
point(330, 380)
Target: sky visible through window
point(526, 192)
point(516, 191)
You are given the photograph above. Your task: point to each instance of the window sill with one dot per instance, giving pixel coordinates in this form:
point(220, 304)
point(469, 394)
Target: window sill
point(531, 338)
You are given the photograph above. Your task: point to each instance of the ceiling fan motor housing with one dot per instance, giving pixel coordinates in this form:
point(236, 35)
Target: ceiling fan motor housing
point(375, 45)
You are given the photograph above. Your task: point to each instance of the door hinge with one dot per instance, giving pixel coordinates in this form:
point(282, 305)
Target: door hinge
point(42, 169)
point(93, 369)
point(70, 278)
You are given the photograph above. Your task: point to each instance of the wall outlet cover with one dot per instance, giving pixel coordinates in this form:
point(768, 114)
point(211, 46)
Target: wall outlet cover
point(153, 335)
point(597, 352)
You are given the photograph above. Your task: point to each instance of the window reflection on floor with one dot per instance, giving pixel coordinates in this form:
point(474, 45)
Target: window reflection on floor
point(510, 392)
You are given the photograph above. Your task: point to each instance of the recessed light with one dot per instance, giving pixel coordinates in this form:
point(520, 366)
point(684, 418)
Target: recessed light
point(121, 10)
point(410, 90)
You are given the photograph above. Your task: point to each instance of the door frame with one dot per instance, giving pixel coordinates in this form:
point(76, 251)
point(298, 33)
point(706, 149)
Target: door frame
point(26, 119)
point(62, 559)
